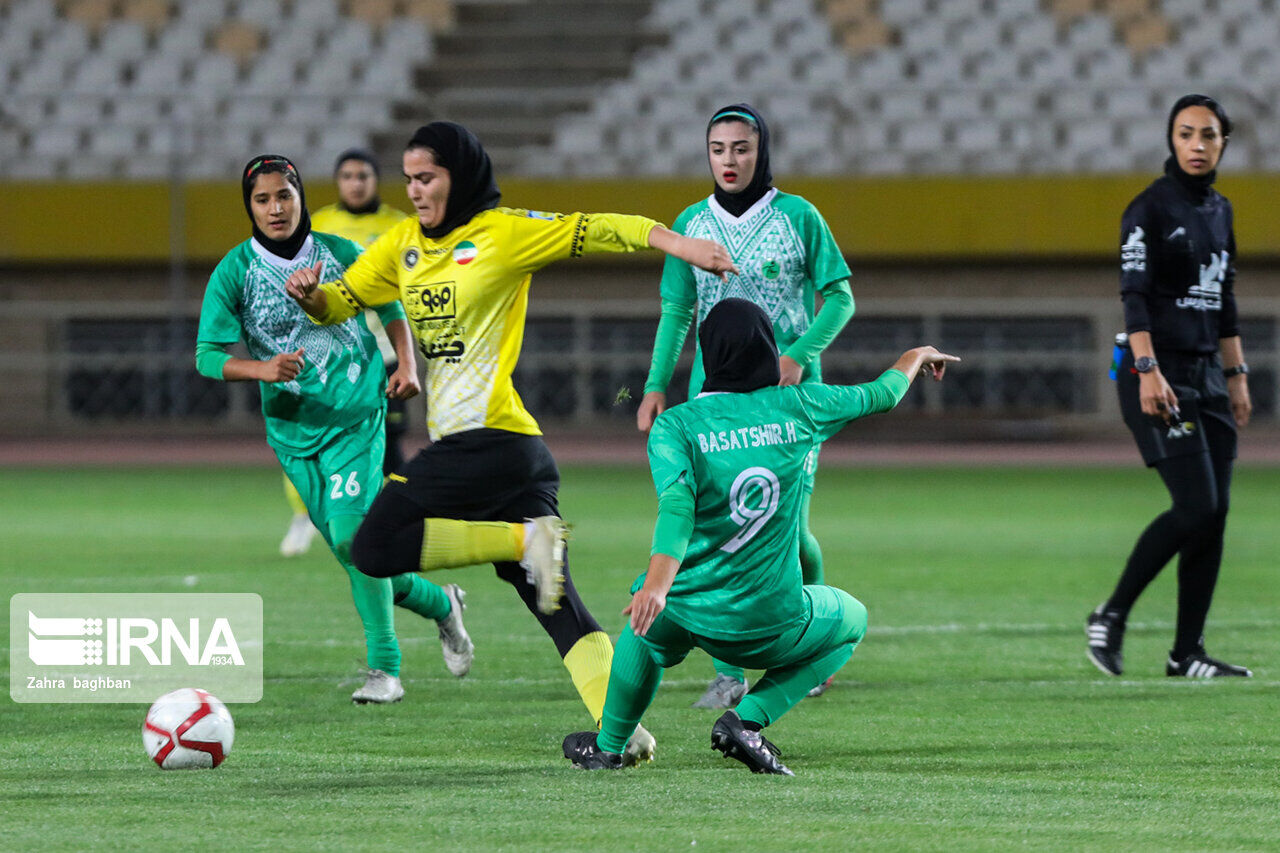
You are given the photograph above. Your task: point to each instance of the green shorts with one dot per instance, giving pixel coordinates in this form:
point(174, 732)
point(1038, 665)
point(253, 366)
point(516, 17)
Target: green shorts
point(345, 476)
point(832, 618)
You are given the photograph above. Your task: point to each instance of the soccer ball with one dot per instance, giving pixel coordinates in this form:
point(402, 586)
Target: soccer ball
point(188, 728)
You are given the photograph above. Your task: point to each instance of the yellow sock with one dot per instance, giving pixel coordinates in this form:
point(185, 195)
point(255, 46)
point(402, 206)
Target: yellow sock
point(448, 543)
point(588, 663)
point(295, 499)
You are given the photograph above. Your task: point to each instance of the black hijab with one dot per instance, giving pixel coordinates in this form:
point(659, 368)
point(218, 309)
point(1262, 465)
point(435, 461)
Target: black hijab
point(1197, 186)
point(762, 180)
point(265, 164)
point(738, 350)
point(472, 188)
point(364, 156)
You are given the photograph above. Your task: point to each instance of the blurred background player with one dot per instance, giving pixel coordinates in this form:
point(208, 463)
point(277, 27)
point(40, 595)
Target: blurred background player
point(360, 216)
point(463, 270)
point(724, 573)
point(1182, 382)
point(323, 399)
point(785, 254)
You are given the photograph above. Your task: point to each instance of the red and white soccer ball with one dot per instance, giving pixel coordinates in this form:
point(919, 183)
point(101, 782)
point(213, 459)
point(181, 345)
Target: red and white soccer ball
point(188, 728)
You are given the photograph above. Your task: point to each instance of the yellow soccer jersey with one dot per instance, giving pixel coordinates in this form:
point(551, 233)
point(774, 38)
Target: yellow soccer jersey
point(362, 228)
point(466, 296)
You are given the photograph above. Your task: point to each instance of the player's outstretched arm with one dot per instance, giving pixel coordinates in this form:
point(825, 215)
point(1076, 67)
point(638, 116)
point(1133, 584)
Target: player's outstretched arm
point(304, 286)
point(923, 359)
point(704, 254)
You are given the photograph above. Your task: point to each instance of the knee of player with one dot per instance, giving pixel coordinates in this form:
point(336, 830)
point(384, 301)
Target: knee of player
point(1201, 517)
point(855, 618)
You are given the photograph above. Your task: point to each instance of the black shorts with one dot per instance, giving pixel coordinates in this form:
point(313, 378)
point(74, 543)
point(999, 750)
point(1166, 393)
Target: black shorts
point(1207, 423)
point(397, 417)
point(481, 475)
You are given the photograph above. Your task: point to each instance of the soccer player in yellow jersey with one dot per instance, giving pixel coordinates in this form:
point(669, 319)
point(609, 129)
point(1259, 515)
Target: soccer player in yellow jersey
point(462, 270)
point(360, 216)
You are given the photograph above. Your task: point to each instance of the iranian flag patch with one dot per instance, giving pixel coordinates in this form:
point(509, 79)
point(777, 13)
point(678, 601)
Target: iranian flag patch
point(465, 252)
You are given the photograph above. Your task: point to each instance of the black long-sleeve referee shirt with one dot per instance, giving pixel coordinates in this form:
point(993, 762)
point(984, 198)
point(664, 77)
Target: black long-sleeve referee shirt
point(1177, 265)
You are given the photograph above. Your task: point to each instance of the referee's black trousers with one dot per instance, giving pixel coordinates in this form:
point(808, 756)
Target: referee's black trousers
point(1192, 528)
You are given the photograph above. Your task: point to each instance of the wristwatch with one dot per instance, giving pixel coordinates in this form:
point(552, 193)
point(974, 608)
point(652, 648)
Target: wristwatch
point(1239, 370)
point(1144, 364)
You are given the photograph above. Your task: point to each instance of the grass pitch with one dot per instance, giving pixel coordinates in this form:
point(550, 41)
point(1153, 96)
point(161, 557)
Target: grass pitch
point(969, 718)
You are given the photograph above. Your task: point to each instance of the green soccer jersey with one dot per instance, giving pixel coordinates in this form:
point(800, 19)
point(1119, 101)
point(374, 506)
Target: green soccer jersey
point(742, 457)
point(784, 252)
point(343, 380)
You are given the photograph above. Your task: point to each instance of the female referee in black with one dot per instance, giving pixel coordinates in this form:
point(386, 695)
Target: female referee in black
point(1182, 382)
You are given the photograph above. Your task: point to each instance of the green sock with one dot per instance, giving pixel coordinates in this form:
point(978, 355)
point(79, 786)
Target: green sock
point(810, 550)
point(633, 681)
point(421, 596)
point(372, 597)
point(778, 690)
point(734, 672)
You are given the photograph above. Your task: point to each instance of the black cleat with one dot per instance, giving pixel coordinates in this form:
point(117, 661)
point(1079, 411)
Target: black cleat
point(1104, 630)
point(581, 749)
point(753, 749)
point(1200, 665)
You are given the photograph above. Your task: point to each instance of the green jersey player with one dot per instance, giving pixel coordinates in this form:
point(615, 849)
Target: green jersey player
point(785, 256)
point(323, 401)
point(724, 574)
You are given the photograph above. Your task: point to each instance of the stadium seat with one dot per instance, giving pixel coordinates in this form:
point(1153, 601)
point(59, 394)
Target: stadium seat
point(78, 110)
point(45, 75)
point(113, 140)
point(152, 15)
point(440, 15)
point(125, 40)
point(92, 14)
point(375, 13)
point(57, 140)
point(98, 74)
point(159, 74)
point(321, 13)
point(239, 40)
point(253, 110)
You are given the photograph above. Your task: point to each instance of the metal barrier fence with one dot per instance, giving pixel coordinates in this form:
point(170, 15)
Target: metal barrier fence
point(584, 362)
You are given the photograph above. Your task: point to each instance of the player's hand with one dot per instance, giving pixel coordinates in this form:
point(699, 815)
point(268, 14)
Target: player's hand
point(708, 255)
point(931, 362)
point(645, 606)
point(403, 383)
point(653, 404)
point(1157, 397)
point(1241, 404)
point(303, 282)
point(283, 367)
point(790, 369)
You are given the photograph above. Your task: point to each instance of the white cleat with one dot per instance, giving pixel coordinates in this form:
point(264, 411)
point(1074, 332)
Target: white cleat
point(640, 747)
point(544, 559)
point(821, 688)
point(297, 539)
point(722, 692)
point(455, 644)
point(379, 689)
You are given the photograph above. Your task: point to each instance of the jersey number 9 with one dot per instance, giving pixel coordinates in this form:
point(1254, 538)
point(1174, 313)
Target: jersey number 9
point(753, 499)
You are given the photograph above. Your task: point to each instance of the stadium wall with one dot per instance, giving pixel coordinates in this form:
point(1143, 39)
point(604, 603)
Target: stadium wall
point(896, 219)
